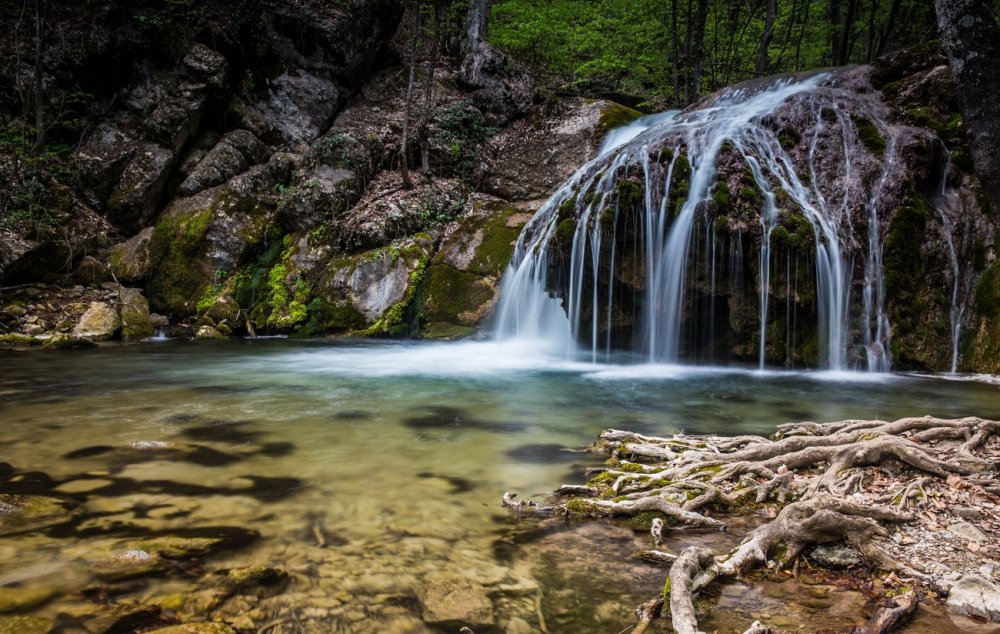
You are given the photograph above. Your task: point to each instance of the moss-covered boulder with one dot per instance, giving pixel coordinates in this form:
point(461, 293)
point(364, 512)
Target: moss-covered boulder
point(134, 312)
point(25, 625)
point(100, 323)
point(131, 261)
point(463, 277)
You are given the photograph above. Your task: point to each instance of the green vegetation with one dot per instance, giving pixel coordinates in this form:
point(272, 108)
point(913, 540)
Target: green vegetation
point(656, 54)
point(988, 292)
point(869, 135)
point(613, 117)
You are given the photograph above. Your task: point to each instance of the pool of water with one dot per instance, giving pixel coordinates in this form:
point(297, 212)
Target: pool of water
point(371, 471)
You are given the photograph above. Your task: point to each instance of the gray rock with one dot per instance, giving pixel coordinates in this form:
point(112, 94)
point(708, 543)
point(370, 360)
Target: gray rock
point(233, 155)
point(967, 512)
point(134, 310)
point(99, 323)
point(836, 556)
point(502, 87)
point(135, 199)
point(131, 261)
point(159, 321)
point(300, 106)
point(322, 194)
point(207, 332)
point(967, 531)
point(102, 158)
point(973, 595)
point(456, 601)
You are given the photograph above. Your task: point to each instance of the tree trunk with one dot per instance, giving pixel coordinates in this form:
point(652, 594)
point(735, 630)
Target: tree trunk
point(698, 47)
point(971, 38)
point(765, 39)
point(37, 82)
point(477, 25)
point(846, 41)
point(404, 165)
point(423, 135)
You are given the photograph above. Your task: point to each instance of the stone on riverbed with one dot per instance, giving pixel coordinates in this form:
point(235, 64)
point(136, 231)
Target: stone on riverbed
point(22, 599)
point(99, 323)
point(24, 625)
point(128, 564)
point(836, 556)
point(258, 580)
point(181, 547)
point(974, 596)
point(456, 601)
point(19, 513)
point(195, 628)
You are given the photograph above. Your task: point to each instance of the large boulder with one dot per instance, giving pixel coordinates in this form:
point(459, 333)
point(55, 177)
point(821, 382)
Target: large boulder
point(232, 155)
point(973, 595)
point(131, 261)
point(501, 86)
point(100, 323)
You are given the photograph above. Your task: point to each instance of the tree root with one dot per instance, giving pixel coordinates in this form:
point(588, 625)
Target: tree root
point(812, 471)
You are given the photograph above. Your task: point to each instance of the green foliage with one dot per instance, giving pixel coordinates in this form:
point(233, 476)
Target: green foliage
point(869, 135)
point(988, 292)
point(646, 48)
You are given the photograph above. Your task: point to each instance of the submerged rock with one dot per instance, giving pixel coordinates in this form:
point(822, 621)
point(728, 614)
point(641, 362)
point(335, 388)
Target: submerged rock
point(25, 625)
point(455, 602)
point(23, 599)
point(259, 580)
point(836, 556)
point(21, 513)
point(194, 628)
point(128, 564)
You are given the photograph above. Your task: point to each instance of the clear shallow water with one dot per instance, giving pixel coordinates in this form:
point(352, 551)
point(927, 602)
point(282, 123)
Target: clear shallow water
point(372, 469)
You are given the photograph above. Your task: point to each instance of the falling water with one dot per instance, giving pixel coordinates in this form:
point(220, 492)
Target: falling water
point(946, 199)
point(551, 289)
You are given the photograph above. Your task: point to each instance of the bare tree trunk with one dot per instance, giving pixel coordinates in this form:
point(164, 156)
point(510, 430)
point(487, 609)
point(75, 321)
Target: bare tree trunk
point(845, 41)
point(765, 39)
point(423, 134)
point(37, 83)
point(404, 164)
point(971, 38)
point(477, 25)
point(698, 47)
point(675, 51)
point(887, 27)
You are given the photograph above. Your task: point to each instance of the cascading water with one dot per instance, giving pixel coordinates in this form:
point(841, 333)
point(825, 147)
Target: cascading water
point(947, 199)
point(608, 261)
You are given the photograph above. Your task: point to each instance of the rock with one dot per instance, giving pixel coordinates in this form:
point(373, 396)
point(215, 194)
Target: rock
point(967, 531)
point(91, 271)
point(454, 602)
point(300, 105)
point(23, 599)
point(102, 158)
point(128, 564)
point(517, 625)
point(258, 580)
point(836, 556)
point(194, 628)
point(224, 310)
point(159, 321)
point(502, 87)
point(135, 317)
point(973, 595)
point(25, 625)
point(322, 191)
point(233, 155)
point(135, 199)
point(536, 155)
point(116, 618)
point(247, 117)
point(99, 323)
point(63, 341)
point(33, 329)
point(23, 513)
point(176, 547)
point(131, 261)
point(464, 276)
point(967, 512)
point(208, 332)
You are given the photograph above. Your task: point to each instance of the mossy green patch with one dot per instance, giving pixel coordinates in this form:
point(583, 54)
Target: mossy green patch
point(988, 292)
point(628, 193)
point(564, 233)
point(869, 134)
point(902, 258)
point(16, 340)
point(614, 116)
point(453, 292)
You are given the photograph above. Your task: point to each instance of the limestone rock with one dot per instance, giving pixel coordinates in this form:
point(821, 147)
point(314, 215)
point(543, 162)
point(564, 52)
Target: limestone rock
point(135, 317)
point(102, 158)
point(502, 87)
point(208, 332)
point(456, 601)
point(836, 556)
point(131, 261)
point(973, 595)
point(300, 105)
point(99, 323)
point(63, 341)
point(233, 155)
point(128, 564)
point(322, 193)
point(135, 199)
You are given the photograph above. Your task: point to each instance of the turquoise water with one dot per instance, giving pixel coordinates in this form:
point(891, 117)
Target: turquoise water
point(370, 470)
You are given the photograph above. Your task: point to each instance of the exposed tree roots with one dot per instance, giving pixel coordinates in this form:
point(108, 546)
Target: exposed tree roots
point(816, 474)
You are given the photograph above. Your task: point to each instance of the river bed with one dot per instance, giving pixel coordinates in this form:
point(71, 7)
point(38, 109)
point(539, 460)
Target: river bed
point(372, 474)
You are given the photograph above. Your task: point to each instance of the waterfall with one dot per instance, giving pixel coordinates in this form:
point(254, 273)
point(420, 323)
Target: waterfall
point(946, 199)
point(608, 262)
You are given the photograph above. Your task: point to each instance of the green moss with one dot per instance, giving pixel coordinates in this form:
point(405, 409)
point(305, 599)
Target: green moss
point(445, 331)
point(643, 521)
point(602, 479)
point(752, 196)
point(629, 193)
point(614, 116)
point(666, 590)
point(19, 341)
point(962, 159)
point(988, 292)
point(788, 138)
point(453, 292)
point(579, 507)
point(720, 195)
point(404, 318)
point(869, 135)
point(945, 124)
point(902, 255)
point(567, 209)
point(564, 233)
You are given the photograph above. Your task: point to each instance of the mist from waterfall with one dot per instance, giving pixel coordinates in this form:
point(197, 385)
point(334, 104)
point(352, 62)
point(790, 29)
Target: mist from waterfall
point(547, 298)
